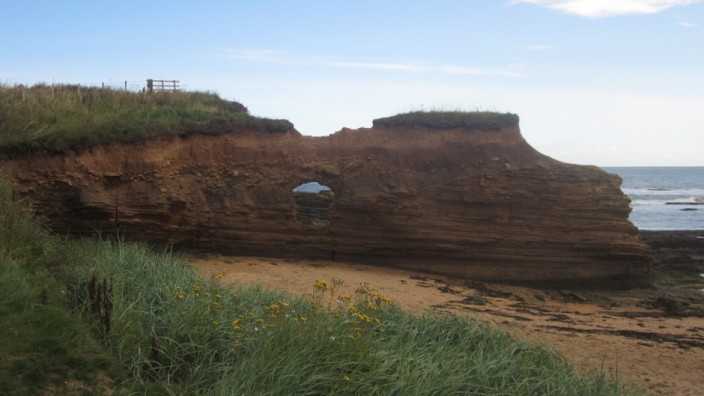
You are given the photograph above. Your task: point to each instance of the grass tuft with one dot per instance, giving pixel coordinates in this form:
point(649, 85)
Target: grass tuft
point(481, 120)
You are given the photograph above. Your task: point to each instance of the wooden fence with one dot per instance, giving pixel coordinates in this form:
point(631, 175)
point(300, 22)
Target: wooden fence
point(163, 85)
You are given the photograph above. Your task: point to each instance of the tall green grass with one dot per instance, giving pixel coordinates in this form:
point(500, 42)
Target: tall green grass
point(172, 332)
point(192, 335)
point(56, 118)
point(44, 348)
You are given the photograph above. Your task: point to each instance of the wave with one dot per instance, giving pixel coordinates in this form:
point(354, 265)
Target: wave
point(664, 191)
point(673, 201)
point(641, 202)
point(686, 201)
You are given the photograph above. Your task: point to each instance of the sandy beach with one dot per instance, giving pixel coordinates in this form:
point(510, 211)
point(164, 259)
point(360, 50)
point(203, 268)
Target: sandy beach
point(651, 338)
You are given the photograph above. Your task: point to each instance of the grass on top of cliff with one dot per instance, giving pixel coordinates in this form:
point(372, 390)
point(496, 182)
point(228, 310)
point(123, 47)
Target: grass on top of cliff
point(483, 120)
point(55, 118)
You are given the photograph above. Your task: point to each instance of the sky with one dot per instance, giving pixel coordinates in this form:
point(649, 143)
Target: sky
point(602, 82)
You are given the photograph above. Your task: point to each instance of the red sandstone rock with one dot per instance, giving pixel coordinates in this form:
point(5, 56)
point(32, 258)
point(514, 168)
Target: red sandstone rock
point(477, 203)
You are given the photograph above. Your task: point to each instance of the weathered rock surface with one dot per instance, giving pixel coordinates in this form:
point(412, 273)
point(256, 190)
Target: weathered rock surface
point(471, 202)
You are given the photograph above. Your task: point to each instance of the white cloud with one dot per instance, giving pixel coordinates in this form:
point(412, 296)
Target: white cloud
point(687, 24)
point(290, 59)
point(607, 8)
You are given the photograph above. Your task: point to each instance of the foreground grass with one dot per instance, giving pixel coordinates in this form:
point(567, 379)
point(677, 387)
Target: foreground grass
point(44, 348)
point(62, 117)
point(171, 332)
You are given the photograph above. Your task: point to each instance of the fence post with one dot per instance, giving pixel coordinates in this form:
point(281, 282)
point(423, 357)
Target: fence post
point(125, 85)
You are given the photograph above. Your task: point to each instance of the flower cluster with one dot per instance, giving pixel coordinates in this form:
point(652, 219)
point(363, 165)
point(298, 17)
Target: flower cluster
point(197, 291)
point(279, 309)
point(358, 316)
point(361, 314)
point(321, 285)
point(372, 299)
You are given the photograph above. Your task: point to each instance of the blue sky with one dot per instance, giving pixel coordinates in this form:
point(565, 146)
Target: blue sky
point(605, 82)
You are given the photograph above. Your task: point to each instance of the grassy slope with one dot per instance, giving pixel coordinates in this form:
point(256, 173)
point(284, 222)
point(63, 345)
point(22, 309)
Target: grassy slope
point(172, 332)
point(57, 118)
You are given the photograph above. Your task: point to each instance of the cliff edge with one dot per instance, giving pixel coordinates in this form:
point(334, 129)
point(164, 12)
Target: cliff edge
point(460, 194)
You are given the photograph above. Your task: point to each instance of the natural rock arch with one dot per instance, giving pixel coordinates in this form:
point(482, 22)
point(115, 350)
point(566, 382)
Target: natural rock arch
point(312, 203)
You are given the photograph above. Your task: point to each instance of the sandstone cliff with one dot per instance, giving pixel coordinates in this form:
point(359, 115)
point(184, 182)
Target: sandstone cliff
point(463, 199)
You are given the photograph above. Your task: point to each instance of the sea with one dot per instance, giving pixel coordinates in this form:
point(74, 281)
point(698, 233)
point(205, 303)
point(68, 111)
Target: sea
point(664, 198)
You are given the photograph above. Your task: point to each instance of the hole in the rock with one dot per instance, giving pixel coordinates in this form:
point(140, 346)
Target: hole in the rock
point(313, 202)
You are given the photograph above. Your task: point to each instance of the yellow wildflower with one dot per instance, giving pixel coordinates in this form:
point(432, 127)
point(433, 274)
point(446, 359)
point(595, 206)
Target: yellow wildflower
point(382, 299)
point(364, 289)
point(363, 318)
point(344, 298)
point(322, 285)
point(236, 325)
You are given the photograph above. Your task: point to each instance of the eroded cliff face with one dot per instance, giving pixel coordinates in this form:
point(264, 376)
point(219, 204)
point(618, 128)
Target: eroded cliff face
point(479, 204)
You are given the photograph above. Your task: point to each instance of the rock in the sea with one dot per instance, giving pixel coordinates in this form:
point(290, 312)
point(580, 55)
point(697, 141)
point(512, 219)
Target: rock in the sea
point(465, 198)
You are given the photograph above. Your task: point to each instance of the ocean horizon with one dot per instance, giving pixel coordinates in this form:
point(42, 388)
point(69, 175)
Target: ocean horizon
point(664, 198)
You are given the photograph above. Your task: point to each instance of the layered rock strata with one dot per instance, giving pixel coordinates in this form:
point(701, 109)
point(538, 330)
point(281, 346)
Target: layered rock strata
point(473, 201)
